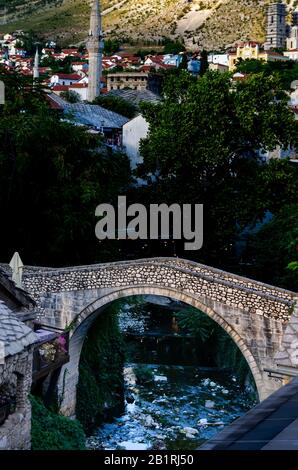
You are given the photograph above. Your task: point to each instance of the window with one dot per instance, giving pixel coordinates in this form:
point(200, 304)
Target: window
point(272, 19)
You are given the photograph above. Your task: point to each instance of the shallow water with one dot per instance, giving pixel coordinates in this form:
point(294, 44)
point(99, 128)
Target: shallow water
point(179, 408)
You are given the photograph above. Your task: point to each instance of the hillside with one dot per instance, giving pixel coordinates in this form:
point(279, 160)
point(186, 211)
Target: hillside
point(211, 23)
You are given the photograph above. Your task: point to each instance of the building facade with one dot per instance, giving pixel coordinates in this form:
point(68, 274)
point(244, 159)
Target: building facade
point(292, 41)
point(133, 132)
point(17, 341)
point(132, 80)
point(252, 50)
point(276, 26)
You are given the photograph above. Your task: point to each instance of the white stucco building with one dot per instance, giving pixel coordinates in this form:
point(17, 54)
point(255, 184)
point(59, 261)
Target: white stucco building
point(133, 131)
point(222, 59)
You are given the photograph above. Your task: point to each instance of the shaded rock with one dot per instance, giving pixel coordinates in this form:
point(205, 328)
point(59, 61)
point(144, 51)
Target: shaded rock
point(203, 422)
point(209, 404)
point(160, 378)
point(190, 431)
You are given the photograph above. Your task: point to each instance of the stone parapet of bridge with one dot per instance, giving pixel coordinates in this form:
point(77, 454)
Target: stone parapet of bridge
point(254, 314)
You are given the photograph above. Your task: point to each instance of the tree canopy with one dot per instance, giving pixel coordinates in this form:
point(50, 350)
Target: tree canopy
point(205, 137)
point(286, 70)
point(53, 175)
point(116, 104)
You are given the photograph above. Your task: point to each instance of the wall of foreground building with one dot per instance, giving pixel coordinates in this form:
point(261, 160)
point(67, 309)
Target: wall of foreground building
point(16, 372)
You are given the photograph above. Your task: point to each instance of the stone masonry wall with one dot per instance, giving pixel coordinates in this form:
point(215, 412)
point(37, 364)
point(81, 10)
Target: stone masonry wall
point(234, 291)
point(254, 314)
point(15, 433)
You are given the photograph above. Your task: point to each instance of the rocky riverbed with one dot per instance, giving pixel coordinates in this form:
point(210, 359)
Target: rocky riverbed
point(171, 407)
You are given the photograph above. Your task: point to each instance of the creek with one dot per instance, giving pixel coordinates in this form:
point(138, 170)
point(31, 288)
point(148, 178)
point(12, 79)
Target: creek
point(172, 401)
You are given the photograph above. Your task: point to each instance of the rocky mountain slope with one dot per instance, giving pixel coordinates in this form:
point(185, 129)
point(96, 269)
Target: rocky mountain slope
point(210, 23)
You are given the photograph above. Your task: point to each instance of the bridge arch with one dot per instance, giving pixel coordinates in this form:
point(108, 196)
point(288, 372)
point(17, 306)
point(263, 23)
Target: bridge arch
point(87, 316)
point(254, 314)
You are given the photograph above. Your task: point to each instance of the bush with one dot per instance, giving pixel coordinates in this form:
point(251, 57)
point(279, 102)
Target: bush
point(51, 431)
point(101, 384)
point(143, 374)
point(116, 104)
point(70, 96)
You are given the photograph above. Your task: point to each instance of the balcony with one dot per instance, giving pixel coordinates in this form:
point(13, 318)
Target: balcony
point(51, 352)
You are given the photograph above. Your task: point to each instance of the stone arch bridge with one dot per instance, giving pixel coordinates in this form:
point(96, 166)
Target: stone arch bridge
point(261, 319)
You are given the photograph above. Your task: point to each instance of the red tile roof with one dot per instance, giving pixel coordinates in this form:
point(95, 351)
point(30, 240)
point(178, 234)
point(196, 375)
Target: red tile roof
point(70, 51)
point(61, 87)
point(79, 85)
point(69, 76)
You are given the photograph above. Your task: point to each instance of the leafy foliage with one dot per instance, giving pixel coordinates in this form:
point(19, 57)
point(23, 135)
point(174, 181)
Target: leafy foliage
point(111, 46)
point(205, 137)
point(101, 385)
point(70, 96)
point(52, 177)
point(173, 47)
point(54, 432)
point(286, 70)
point(143, 374)
point(213, 341)
point(276, 248)
point(116, 104)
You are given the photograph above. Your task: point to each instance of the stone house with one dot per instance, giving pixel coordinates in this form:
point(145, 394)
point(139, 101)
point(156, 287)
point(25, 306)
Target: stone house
point(17, 341)
point(122, 80)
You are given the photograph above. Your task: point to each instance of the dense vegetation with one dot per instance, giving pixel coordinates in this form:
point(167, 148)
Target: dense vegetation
point(51, 431)
point(214, 347)
point(117, 104)
point(52, 177)
point(205, 137)
point(202, 137)
point(275, 246)
point(101, 389)
point(287, 71)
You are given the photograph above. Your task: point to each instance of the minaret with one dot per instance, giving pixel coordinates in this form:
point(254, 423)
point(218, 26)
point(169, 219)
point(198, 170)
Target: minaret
point(95, 48)
point(36, 65)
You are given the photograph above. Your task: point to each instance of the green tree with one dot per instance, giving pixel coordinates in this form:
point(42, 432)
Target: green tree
point(275, 248)
point(214, 346)
point(101, 382)
point(287, 71)
point(116, 104)
point(173, 47)
point(53, 175)
point(70, 96)
point(204, 62)
point(111, 46)
point(205, 137)
point(184, 62)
